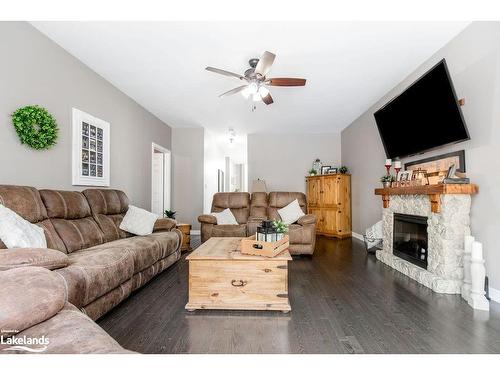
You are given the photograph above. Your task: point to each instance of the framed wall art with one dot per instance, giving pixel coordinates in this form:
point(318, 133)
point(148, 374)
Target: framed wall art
point(90, 155)
point(436, 167)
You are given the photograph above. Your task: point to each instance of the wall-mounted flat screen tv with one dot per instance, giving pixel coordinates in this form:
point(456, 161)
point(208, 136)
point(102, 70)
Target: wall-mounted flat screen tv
point(425, 116)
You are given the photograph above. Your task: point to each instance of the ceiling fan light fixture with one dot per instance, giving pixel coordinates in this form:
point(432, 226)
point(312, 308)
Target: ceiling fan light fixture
point(246, 93)
point(256, 97)
point(253, 88)
point(263, 91)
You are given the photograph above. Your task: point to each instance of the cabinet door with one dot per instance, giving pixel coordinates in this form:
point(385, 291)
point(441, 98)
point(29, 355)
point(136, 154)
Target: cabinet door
point(313, 191)
point(329, 216)
point(319, 218)
point(330, 191)
point(343, 192)
point(341, 224)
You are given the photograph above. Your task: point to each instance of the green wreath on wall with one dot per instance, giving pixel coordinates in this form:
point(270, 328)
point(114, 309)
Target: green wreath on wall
point(35, 127)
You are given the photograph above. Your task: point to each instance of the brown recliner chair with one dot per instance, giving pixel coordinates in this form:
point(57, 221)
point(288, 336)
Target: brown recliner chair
point(239, 203)
point(250, 210)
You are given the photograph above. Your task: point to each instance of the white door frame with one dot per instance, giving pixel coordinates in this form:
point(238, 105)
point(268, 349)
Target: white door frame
point(167, 165)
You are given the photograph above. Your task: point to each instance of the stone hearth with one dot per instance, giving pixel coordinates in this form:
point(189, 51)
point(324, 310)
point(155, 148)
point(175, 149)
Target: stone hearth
point(446, 230)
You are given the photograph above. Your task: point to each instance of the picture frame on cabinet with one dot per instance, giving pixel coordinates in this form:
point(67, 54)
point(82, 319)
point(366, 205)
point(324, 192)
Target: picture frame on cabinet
point(325, 168)
point(332, 171)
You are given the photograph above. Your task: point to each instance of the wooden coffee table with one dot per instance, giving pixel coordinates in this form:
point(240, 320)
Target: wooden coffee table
point(220, 277)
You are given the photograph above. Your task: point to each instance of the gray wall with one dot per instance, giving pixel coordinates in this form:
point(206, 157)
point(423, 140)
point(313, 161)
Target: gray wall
point(34, 70)
point(187, 161)
point(473, 58)
point(283, 160)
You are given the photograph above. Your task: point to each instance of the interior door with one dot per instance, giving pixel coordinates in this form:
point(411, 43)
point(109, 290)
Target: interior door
point(157, 203)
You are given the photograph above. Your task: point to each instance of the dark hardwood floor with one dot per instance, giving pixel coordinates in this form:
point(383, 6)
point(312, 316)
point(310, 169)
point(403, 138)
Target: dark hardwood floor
point(343, 301)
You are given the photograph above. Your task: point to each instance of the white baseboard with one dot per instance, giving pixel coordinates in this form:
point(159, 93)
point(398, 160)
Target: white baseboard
point(357, 236)
point(494, 294)
point(195, 232)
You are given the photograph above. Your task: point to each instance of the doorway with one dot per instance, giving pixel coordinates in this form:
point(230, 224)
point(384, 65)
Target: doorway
point(160, 179)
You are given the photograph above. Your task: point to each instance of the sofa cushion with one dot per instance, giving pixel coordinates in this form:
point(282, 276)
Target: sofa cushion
point(17, 232)
point(138, 221)
point(62, 204)
point(146, 250)
point(71, 332)
point(70, 214)
point(92, 273)
point(239, 203)
point(229, 230)
point(46, 258)
point(224, 217)
point(258, 205)
point(29, 296)
point(280, 199)
point(27, 203)
point(24, 200)
point(291, 212)
point(108, 208)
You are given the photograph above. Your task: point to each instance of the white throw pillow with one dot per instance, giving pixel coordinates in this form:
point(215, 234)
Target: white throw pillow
point(225, 217)
point(138, 221)
point(17, 232)
point(291, 213)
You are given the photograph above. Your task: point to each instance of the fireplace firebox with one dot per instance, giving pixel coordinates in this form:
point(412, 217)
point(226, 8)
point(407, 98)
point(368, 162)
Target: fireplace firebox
point(410, 239)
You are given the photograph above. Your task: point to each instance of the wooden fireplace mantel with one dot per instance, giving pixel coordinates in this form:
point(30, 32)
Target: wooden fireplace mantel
point(433, 191)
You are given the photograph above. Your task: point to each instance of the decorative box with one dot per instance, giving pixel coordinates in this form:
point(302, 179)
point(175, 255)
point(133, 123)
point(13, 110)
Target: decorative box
point(251, 246)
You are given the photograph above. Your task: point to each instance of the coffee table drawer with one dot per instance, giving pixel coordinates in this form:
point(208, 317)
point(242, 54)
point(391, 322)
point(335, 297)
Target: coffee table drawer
point(247, 285)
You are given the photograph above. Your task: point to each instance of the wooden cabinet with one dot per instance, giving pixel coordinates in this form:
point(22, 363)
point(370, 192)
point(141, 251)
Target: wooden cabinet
point(329, 199)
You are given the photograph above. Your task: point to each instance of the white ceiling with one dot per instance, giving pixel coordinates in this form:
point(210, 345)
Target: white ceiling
point(348, 67)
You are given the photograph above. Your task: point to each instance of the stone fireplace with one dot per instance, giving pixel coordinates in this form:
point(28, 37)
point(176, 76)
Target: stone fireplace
point(424, 234)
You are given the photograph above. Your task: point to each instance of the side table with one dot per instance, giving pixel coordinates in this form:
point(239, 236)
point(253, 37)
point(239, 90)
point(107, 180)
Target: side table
point(186, 239)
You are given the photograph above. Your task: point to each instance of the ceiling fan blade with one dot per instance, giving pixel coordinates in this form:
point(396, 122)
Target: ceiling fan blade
point(286, 82)
point(224, 72)
point(265, 63)
point(268, 99)
point(234, 91)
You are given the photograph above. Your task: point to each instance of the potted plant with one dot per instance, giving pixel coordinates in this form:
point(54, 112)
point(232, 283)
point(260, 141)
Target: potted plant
point(170, 214)
point(313, 172)
point(387, 180)
point(343, 169)
point(281, 228)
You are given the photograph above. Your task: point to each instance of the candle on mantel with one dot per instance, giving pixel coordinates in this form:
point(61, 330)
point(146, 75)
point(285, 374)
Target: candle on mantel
point(477, 251)
point(468, 240)
point(397, 164)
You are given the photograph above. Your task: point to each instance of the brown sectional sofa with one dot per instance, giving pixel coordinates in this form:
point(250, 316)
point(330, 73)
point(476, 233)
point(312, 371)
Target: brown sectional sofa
point(249, 211)
point(34, 305)
point(99, 263)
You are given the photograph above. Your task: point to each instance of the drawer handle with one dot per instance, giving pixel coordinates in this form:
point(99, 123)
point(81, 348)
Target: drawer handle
point(238, 282)
point(257, 246)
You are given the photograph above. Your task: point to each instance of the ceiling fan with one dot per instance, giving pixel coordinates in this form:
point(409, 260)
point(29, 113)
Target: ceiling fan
point(256, 79)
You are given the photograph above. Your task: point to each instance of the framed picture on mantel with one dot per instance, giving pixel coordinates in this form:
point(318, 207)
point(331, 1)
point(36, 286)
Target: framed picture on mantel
point(90, 153)
point(436, 167)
